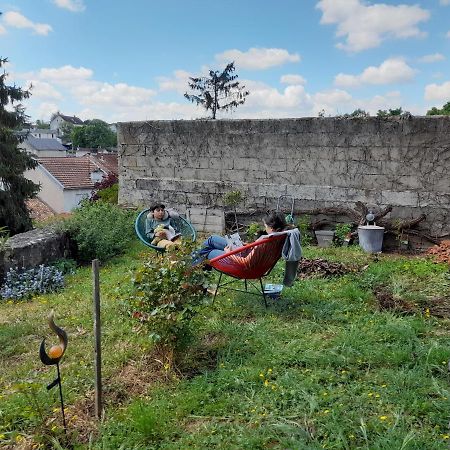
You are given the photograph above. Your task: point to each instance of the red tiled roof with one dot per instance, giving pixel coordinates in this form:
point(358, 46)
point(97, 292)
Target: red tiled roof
point(71, 172)
point(107, 162)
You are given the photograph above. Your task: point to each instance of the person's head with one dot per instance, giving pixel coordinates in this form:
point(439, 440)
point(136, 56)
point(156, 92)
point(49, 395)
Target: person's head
point(158, 211)
point(274, 222)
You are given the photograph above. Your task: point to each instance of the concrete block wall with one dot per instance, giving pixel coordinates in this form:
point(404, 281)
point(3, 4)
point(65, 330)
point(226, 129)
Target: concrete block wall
point(402, 161)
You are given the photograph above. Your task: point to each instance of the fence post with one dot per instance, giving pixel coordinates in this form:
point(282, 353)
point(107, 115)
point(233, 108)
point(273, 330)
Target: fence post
point(97, 339)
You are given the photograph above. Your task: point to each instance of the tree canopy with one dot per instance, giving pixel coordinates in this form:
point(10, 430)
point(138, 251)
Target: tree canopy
point(93, 134)
point(444, 111)
point(219, 91)
point(15, 189)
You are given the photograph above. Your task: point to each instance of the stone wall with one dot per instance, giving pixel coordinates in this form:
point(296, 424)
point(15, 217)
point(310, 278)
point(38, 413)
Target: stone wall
point(32, 248)
point(404, 162)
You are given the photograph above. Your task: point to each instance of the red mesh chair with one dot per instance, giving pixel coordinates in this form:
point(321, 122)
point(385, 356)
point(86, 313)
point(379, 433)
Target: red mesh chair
point(250, 262)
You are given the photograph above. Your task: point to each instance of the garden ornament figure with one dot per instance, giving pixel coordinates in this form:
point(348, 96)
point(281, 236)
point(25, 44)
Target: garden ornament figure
point(53, 357)
point(370, 217)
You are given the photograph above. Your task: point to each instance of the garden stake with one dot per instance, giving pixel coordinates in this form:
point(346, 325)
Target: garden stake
point(53, 357)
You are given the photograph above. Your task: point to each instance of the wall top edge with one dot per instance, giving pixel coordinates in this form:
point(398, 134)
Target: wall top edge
point(285, 119)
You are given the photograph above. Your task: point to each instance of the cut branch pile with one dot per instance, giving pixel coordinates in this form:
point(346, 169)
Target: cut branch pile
point(441, 252)
point(317, 268)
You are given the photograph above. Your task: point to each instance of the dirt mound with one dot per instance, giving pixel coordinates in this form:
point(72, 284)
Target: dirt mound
point(441, 252)
point(317, 268)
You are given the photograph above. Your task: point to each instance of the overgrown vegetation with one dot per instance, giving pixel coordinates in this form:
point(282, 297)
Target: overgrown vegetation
point(169, 292)
point(24, 284)
point(106, 190)
point(329, 365)
point(100, 230)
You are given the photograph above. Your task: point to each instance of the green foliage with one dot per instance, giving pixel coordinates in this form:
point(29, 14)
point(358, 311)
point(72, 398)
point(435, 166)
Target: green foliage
point(341, 232)
point(110, 194)
point(4, 236)
point(357, 113)
point(94, 134)
point(254, 230)
point(169, 292)
point(392, 112)
point(15, 189)
point(66, 132)
point(42, 125)
point(65, 265)
point(304, 224)
point(444, 111)
point(233, 198)
point(100, 230)
point(218, 91)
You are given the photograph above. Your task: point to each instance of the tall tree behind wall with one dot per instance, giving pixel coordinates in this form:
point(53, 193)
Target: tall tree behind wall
point(14, 187)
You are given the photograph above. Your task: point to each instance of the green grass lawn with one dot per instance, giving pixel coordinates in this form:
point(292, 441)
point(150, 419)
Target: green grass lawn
point(323, 367)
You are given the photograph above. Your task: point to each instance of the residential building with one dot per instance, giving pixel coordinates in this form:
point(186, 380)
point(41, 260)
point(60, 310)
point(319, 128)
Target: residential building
point(66, 181)
point(43, 147)
point(58, 120)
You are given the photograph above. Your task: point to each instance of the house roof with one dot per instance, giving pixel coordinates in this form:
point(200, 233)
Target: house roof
point(72, 119)
point(106, 162)
point(71, 172)
point(45, 144)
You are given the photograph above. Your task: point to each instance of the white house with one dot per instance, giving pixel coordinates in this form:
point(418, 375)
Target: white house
point(66, 181)
point(58, 120)
point(43, 133)
point(43, 148)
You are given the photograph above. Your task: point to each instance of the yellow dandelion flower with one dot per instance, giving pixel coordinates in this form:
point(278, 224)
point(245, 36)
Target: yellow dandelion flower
point(377, 395)
point(427, 312)
point(269, 370)
point(351, 436)
point(383, 385)
point(266, 383)
point(445, 436)
point(324, 394)
point(261, 375)
point(2, 436)
point(273, 387)
point(370, 394)
point(326, 411)
point(383, 417)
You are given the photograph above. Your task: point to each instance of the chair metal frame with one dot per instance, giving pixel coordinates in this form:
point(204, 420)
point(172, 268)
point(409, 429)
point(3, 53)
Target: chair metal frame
point(255, 275)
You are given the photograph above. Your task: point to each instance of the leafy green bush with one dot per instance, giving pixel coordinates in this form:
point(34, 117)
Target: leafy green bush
point(110, 194)
point(100, 230)
point(254, 230)
point(303, 224)
point(65, 265)
point(168, 294)
point(341, 232)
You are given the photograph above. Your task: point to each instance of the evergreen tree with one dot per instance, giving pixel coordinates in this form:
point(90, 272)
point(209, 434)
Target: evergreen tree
point(14, 187)
point(218, 91)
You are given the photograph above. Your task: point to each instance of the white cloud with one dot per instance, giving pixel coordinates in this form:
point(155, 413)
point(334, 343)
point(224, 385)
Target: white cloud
point(439, 92)
point(292, 79)
point(45, 110)
point(257, 58)
point(444, 2)
point(17, 20)
point(2, 30)
point(365, 26)
point(42, 90)
point(178, 83)
point(393, 70)
point(434, 57)
point(71, 5)
point(65, 75)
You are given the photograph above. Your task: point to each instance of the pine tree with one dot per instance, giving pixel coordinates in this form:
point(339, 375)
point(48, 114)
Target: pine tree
point(218, 91)
point(14, 187)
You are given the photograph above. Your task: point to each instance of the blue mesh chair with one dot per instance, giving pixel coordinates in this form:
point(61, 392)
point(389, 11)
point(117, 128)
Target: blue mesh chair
point(180, 225)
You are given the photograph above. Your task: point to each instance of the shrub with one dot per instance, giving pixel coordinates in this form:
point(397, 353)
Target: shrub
point(169, 292)
point(254, 230)
point(65, 265)
point(24, 284)
point(342, 232)
point(100, 230)
point(303, 224)
point(106, 190)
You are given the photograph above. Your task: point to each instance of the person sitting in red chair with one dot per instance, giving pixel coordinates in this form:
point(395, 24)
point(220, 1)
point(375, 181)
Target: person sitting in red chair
point(274, 224)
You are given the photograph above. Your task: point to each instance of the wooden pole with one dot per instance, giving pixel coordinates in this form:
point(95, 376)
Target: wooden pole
point(97, 343)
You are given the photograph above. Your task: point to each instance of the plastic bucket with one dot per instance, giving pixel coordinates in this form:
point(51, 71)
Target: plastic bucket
point(324, 238)
point(371, 238)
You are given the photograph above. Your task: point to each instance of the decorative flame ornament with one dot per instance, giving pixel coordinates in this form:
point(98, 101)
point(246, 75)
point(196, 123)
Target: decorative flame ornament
point(53, 357)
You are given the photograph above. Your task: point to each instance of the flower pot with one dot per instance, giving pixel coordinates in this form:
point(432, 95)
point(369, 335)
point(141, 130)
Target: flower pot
point(371, 238)
point(324, 238)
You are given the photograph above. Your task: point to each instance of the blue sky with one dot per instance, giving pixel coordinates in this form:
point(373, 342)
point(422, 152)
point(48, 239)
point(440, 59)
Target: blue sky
point(122, 61)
